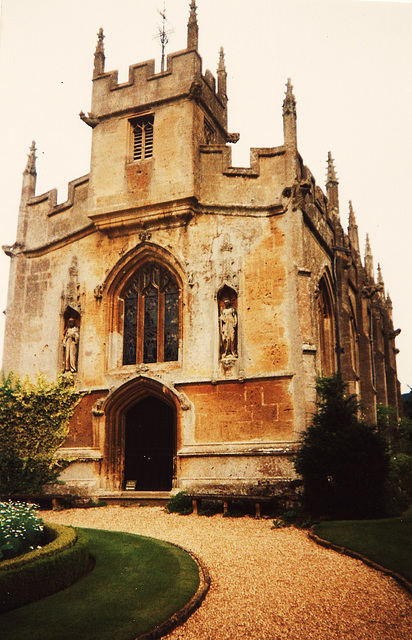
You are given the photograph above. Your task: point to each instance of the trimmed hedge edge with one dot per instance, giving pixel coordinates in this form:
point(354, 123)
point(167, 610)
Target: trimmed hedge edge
point(42, 572)
point(57, 538)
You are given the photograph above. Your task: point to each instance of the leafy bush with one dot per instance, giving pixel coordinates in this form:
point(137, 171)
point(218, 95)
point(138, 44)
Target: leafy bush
point(239, 509)
point(343, 462)
point(44, 571)
point(404, 436)
point(180, 503)
point(399, 484)
point(398, 492)
point(20, 528)
point(210, 507)
point(33, 425)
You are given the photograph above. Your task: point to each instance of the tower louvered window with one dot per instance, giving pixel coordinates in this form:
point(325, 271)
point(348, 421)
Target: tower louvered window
point(142, 137)
point(151, 316)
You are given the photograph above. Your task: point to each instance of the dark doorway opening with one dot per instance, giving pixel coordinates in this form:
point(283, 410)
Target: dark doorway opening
point(149, 446)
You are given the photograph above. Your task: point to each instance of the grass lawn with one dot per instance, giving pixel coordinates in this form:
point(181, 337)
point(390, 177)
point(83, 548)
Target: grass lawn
point(136, 584)
point(387, 542)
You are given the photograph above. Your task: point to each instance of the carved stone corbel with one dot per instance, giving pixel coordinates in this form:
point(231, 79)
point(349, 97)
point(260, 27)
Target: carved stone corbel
point(98, 291)
point(97, 409)
point(91, 120)
point(183, 401)
point(145, 236)
point(232, 137)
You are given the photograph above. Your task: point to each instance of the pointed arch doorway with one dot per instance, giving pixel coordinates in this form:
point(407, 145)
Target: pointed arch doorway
point(150, 428)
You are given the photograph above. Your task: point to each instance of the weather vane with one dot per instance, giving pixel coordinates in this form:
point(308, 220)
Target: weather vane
point(163, 34)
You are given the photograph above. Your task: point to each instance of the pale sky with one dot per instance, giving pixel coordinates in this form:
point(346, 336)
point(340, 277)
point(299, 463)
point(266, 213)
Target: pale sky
point(350, 63)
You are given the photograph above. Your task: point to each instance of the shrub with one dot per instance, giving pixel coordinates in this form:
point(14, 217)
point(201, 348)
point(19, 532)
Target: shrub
point(42, 572)
point(404, 436)
point(33, 425)
point(20, 528)
point(398, 492)
point(210, 507)
point(399, 484)
point(180, 503)
point(343, 462)
point(239, 509)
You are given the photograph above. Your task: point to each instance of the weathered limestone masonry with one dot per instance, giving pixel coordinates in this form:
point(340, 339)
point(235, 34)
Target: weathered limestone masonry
point(195, 302)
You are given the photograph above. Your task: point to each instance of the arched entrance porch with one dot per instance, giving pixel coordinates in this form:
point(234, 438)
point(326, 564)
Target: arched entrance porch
point(149, 446)
point(141, 437)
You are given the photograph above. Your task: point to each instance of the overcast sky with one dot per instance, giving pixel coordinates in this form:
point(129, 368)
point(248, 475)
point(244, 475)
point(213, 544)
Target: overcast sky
point(350, 63)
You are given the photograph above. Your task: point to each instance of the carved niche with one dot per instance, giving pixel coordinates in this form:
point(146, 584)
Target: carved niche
point(71, 340)
point(228, 324)
point(71, 309)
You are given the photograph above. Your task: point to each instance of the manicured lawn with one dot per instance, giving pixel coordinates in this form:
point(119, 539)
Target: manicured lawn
point(136, 584)
point(387, 542)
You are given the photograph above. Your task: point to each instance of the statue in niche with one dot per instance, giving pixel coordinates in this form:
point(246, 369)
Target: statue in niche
point(228, 330)
point(70, 346)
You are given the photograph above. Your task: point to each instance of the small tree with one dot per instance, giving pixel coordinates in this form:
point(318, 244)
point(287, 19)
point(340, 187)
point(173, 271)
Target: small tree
point(343, 461)
point(33, 425)
point(398, 434)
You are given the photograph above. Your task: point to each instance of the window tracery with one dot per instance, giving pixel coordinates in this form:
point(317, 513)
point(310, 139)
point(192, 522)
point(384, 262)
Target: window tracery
point(151, 316)
point(326, 330)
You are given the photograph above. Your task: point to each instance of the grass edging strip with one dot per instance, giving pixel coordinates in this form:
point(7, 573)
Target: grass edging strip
point(137, 585)
point(404, 582)
point(180, 617)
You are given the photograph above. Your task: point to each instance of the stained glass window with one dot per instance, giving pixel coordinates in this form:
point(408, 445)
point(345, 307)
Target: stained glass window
point(151, 316)
point(171, 331)
point(151, 310)
point(130, 327)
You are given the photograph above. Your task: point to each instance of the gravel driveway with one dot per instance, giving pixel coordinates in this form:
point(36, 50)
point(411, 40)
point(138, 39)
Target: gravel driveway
point(266, 583)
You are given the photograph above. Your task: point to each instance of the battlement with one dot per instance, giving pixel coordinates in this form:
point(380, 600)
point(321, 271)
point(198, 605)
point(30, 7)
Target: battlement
point(255, 155)
point(49, 222)
point(145, 89)
point(220, 180)
point(51, 197)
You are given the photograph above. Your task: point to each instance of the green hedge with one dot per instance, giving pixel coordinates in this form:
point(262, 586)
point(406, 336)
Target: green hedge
point(41, 572)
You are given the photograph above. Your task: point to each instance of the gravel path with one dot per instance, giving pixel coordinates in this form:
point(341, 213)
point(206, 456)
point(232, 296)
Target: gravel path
point(267, 584)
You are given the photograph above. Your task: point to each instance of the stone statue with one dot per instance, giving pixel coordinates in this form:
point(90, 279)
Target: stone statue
point(70, 346)
point(228, 330)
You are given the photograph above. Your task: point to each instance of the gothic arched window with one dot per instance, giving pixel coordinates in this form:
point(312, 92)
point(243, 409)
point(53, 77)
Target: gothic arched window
point(354, 348)
point(326, 330)
point(151, 316)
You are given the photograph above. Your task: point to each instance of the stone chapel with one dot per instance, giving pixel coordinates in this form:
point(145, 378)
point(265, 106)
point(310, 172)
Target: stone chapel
point(194, 302)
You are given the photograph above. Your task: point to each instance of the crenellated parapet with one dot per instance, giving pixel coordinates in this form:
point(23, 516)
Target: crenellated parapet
point(220, 179)
point(49, 222)
point(182, 79)
point(51, 196)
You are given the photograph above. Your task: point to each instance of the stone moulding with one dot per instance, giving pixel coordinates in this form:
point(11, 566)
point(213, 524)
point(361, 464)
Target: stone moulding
point(239, 449)
point(79, 453)
point(57, 243)
point(165, 213)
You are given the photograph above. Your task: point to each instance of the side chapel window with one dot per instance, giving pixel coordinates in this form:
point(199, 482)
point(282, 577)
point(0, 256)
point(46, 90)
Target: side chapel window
point(151, 316)
point(142, 137)
point(354, 351)
point(326, 331)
